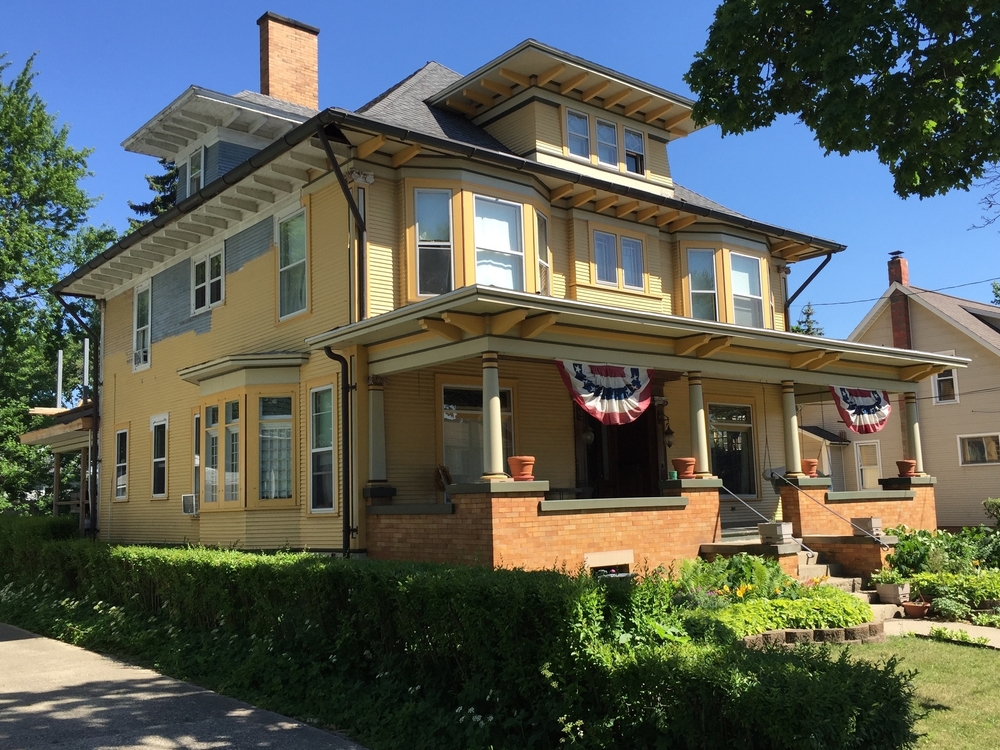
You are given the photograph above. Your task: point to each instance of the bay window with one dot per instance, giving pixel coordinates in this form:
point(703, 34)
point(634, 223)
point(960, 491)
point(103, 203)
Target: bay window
point(544, 260)
point(321, 449)
point(499, 246)
point(612, 252)
point(434, 241)
point(211, 462)
point(231, 451)
point(275, 450)
point(748, 300)
point(701, 280)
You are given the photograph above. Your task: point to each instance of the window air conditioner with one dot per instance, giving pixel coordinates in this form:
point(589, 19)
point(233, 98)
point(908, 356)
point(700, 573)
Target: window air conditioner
point(189, 505)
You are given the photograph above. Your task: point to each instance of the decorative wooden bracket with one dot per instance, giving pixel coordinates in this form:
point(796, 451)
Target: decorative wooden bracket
point(532, 327)
point(472, 324)
point(442, 329)
point(713, 346)
point(503, 322)
point(688, 344)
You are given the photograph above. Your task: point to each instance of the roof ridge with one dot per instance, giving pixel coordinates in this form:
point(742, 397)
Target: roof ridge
point(987, 305)
point(399, 84)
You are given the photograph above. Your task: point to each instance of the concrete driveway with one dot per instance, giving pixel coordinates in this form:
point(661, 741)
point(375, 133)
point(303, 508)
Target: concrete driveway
point(56, 695)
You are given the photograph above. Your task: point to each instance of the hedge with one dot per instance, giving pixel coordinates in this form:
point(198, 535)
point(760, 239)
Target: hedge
point(423, 656)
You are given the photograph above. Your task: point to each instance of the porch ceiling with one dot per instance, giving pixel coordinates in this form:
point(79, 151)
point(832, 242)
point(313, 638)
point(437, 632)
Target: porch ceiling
point(468, 321)
point(62, 438)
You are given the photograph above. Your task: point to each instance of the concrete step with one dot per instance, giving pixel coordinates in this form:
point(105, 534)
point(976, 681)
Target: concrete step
point(883, 612)
point(814, 570)
point(850, 585)
point(868, 595)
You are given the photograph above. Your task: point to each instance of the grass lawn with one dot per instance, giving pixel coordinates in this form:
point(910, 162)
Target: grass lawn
point(957, 686)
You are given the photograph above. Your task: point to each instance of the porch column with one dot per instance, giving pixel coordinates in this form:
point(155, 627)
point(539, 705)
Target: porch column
point(699, 430)
point(793, 455)
point(376, 429)
point(56, 481)
point(913, 432)
point(492, 427)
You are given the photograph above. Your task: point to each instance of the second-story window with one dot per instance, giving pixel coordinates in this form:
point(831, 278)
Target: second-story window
point(701, 278)
point(635, 152)
point(607, 260)
point(208, 280)
point(195, 171)
point(632, 263)
point(140, 331)
point(292, 265)
point(434, 245)
point(607, 143)
point(158, 426)
point(578, 134)
point(544, 260)
point(748, 301)
point(499, 249)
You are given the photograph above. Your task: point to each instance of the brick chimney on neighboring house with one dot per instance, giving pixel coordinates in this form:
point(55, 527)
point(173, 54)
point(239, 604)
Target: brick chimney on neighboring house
point(899, 303)
point(289, 60)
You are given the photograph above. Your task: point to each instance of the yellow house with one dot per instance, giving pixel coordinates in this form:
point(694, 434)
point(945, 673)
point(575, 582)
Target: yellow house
point(351, 318)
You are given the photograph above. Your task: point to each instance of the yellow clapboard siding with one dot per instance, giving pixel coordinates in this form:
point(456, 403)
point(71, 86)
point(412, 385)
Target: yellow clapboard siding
point(658, 162)
point(559, 254)
point(668, 271)
point(383, 242)
point(516, 130)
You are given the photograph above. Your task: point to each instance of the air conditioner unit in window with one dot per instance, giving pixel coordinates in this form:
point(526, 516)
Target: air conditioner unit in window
point(140, 357)
point(189, 505)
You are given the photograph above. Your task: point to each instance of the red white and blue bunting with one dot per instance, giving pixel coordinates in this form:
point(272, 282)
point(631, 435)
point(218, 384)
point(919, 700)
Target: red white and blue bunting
point(614, 394)
point(863, 411)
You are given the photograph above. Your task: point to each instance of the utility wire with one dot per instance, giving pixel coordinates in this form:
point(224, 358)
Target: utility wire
point(876, 299)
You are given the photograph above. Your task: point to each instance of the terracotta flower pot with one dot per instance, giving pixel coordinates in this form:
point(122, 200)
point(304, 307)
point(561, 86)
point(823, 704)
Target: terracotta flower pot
point(809, 466)
point(916, 609)
point(521, 467)
point(907, 467)
point(684, 467)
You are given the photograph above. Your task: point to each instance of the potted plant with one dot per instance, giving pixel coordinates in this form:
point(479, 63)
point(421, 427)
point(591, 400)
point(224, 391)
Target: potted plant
point(907, 467)
point(684, 466)
point(775, 532)
point(891, 587)
point(810, 466)
point(521, 467)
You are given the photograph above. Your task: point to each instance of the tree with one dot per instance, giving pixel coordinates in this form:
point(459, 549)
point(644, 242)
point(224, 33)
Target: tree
point(917, 82)
point(996, 293)
point(807, 324)
point(164, 187)
point(42, 209)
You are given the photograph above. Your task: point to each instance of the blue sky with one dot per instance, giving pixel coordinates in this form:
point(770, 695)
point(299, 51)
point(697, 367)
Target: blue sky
point(107, 67)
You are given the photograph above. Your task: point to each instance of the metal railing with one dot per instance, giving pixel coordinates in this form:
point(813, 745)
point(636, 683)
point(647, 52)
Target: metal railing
point(826, 507)
point(810, 554)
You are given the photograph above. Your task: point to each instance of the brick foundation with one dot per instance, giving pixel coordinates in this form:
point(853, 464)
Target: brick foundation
point(808, 518)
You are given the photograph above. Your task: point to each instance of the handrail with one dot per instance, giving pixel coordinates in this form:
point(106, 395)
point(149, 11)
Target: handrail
point(823, 505)
point(809, 553)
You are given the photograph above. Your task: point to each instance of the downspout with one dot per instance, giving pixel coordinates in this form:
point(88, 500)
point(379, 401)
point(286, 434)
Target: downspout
point(345, 444)
point(95, 400)
point(359, 222)
point(807, 282)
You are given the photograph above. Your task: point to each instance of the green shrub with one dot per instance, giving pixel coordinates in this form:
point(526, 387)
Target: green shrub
point(957, 636)
point(972, 589)
point(986, 619)
point(951, 609)
point(922, 551)
point(822, 607)
point(887, 576)
point(716, 584)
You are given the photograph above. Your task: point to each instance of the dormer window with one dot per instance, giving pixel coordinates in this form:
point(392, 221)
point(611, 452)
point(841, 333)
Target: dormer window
point(635, 152)
point(607, 143)
point(195, 170)
point(578, 130)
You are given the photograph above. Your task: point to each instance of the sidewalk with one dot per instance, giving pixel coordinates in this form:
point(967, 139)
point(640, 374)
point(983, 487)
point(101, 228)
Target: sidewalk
point(54, 694)
point(923, 627)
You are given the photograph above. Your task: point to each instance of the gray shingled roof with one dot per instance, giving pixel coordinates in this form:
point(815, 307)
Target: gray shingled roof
point(695, 199)
point(269, 101)
point(966, 313)
point(404, 105)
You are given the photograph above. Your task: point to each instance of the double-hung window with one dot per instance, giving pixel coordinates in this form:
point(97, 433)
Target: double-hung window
point(275, 457)
point(195, 171)
point(748, 301)
point(462, 430)
point(231, 448)
point(606, 260)
point(607, 143)
point(292, 265)
point(499, 245)
point(121, 465)
point(140, 328)
point(701, 280)
point(211, 453)
point(196, 479)
point(544, 259)
point(207, 281)
point(979, 449)
point(158, 426)
point(434, 242)
point(635, 152)
point(321, 449)
point(578, 134)
point(945, 385)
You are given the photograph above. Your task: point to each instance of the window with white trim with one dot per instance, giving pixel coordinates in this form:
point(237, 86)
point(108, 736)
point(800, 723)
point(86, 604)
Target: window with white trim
point(211, 453)
point(196, 170)
point(121, 465)
point(292, 265)
point(275, 456)
point(321, 449)
point(869, 464)
point(158, 426)
point(635, 152)
point(434, 242)
point(208, 278)
point(544, 258)
point(231, 456)
point(608, 259)
point(607, 143)
point(462, 430)
point(499, 244)
point(701, 283)
point(748, 299)
point(979, 449)
point(945, 384)
point(141, 327)
point(578, 134)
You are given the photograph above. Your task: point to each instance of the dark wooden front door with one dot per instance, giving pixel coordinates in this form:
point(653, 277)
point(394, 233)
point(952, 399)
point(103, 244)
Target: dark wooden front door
point(621, 461)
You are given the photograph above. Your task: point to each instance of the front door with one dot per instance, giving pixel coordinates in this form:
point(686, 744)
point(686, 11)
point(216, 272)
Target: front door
point(621, 459)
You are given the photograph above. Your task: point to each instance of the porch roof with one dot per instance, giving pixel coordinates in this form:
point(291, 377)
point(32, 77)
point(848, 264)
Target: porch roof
point(71, 431)
point(468, 321)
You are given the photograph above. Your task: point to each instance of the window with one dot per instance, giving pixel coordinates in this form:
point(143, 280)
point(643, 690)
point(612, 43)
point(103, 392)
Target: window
point(979, 449)
point(945, 384)
point(434, 249)
point(731, 437)
point(275, 447)
point(195, 170)
point(635, 152)
point(207, 282)
point(607, 143)
point(211, 454)
point(158, 426)
point(606, 260)
point(544, 261)
point(196, 479)
point(869, 465)
point(578, 132)
point(292, 265)
point(701, 277)
point(121, 465)
point(499, 250)
point(140, 331)
point(232, 450)
point(748, 302)
point(463, 430)
point(321, 449)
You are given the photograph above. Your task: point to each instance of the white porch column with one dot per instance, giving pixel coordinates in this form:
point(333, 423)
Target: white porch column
point(699, 429)
point(913, 432)
point(793, 455)
point(493, 467)
point(376, 429)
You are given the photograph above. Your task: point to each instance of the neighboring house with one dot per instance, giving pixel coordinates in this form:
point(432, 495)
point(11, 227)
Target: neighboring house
point(350, 319)
point(959, 409)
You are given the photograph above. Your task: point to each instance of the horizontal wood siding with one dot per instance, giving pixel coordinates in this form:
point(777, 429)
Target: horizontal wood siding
point(559, 255)
point(668, 269)
point(516, 130)
point(170, 304)
point(231, 155)
point(657, 161)
point(383, 244)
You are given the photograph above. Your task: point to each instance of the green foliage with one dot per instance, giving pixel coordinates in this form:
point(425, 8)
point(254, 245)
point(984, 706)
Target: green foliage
point(424, 656)
point(917, 83)
point(164, 187)
point(991, 505)
point(951, 609)
point(967, 551)
point(807, 323)
point(725, 580)
point(971, 589)
point(887, 575)
point(987, 619)
point(958, 636)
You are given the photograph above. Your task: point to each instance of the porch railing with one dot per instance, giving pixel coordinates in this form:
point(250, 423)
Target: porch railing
point(809, 553)
point(826, 507)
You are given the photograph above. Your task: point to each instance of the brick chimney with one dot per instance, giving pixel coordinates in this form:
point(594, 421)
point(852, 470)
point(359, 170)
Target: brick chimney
point(899, 303)
point(289, 60)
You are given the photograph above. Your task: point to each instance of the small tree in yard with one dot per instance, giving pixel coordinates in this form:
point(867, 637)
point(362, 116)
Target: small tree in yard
point(164, 187)
point(807, 324)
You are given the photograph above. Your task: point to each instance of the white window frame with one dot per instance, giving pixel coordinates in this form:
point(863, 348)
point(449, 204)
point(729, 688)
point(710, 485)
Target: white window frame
point(715, 280)
point(200, 152)
point(289, 216)
point(520, 231)
point(961, 455)
point(642, 263)
point(619, 282)
point(155, 422)
point(597, 134)
point(857, 461)
point(641, 154)
point(331, 449)
point(570, 134)
point(954, 383)
point(760, 283)
point(544, 255)
point(228, 429)
point(212, 432)
point(145, 358)
point(206, 258)
point(597, 271)
point(434, 245)
point(121, 467)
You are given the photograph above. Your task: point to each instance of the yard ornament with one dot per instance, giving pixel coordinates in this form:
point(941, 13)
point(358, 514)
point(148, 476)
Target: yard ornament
point(613, 394)
point(863, 411)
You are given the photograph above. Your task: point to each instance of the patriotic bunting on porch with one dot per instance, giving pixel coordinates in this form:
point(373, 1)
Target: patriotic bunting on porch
point(863, 411)
point(614, 394)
